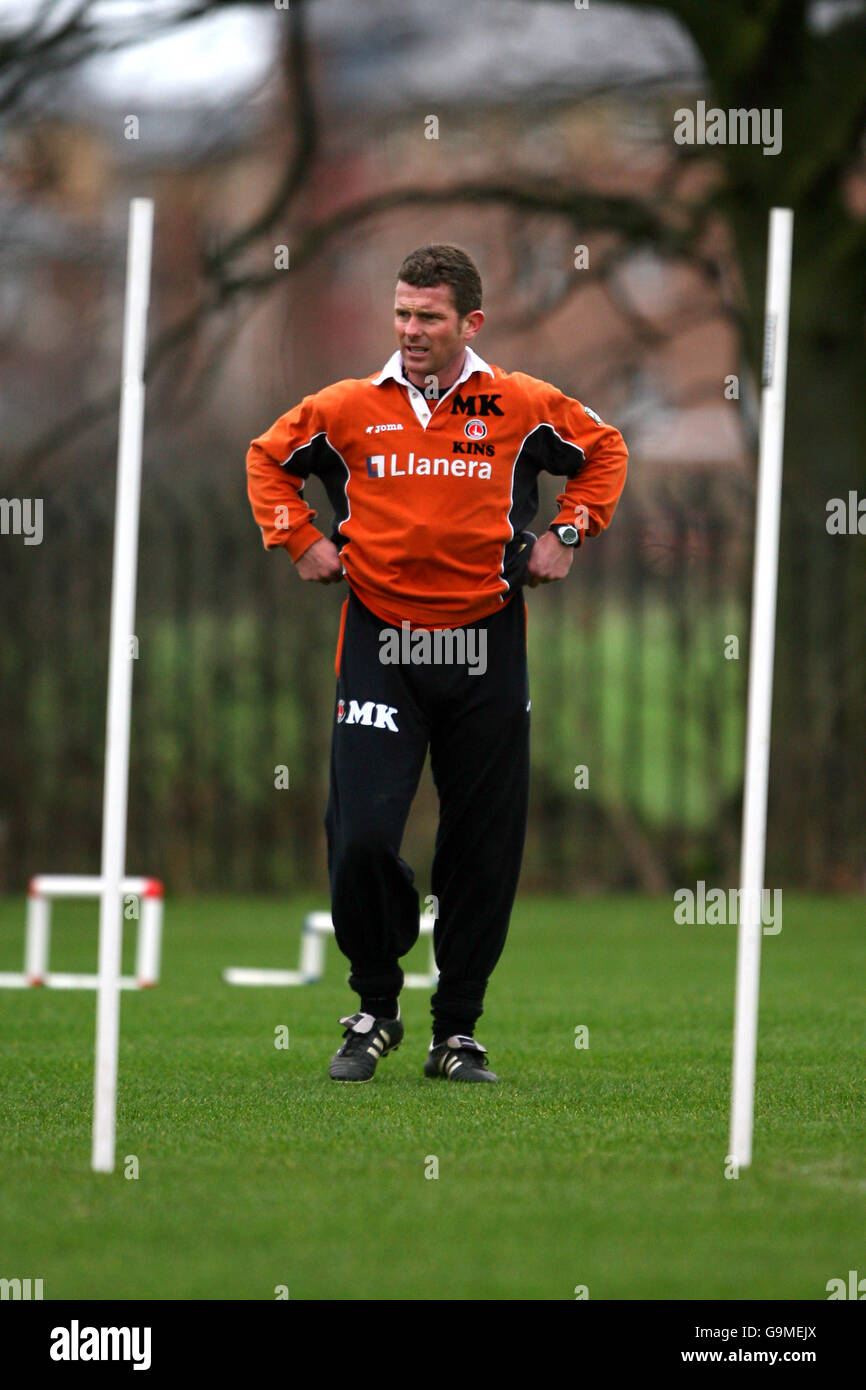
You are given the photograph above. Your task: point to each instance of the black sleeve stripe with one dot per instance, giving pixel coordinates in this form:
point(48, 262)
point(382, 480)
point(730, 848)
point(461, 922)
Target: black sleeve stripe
point(326, 463)
point(334, 474)
point(540, 450)
point(546, 450)
point(305, 466)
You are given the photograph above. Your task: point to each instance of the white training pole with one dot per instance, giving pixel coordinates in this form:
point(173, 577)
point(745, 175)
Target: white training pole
point(120, 680)
point(149, 941)
point(761, 651)
point(90, 886)
point(38, 939)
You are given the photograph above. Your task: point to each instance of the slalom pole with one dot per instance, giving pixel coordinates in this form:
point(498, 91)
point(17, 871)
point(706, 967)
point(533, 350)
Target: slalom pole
point(761, 654)
point(115, 792)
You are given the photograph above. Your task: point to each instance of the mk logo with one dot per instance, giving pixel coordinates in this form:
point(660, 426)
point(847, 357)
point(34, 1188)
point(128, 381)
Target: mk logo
point(363, 714)
point(466, 405)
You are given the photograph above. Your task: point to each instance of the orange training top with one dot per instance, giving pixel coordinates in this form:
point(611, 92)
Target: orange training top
point(430, 496)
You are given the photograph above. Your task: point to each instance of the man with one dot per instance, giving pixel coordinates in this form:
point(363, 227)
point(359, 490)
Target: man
point(431, 466)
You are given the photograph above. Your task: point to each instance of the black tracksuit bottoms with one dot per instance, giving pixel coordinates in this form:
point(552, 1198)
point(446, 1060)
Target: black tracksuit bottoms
point(477, 729)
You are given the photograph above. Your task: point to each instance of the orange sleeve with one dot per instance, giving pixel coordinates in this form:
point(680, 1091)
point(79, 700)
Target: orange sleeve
point(278, 464)
point(589, 500)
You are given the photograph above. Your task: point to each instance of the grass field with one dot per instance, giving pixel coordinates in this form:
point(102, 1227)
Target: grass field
point(600, 1166)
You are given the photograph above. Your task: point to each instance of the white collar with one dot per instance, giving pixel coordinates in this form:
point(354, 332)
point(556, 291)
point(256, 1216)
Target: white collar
point(393, 369)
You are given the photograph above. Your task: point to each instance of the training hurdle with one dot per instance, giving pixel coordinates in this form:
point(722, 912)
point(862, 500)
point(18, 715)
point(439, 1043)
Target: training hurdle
point(43, 889)
point(314, 935)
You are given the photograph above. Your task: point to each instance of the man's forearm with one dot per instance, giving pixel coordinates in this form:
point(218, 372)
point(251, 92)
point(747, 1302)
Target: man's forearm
point(281, 513)
point(589, 500)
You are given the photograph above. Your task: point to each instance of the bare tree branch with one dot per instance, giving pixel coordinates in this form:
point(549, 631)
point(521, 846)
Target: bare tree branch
point(297, 64)
point(640, 222)
point(38, 53)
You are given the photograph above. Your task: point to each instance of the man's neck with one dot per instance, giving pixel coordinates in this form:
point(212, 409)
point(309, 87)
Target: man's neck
point(444, 381)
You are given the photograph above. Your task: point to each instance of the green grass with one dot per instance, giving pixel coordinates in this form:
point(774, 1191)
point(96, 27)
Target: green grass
point(601, 1166)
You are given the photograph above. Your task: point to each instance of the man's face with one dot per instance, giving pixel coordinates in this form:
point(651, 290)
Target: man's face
point(430, 335)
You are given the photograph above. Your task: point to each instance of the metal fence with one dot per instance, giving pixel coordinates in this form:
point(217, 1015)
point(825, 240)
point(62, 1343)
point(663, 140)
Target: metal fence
point(638, 672)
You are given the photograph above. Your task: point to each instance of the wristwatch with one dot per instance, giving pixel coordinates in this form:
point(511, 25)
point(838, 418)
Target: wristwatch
point(568, 535)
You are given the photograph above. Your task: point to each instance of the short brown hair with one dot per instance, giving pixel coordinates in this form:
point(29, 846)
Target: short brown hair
point(444, 265)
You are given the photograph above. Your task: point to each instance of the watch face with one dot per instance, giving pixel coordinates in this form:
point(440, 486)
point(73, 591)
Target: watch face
point(567, 534)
